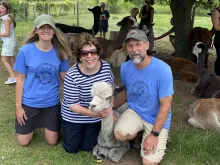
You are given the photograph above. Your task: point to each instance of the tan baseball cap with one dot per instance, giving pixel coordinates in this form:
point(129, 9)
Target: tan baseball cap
point(43, 20)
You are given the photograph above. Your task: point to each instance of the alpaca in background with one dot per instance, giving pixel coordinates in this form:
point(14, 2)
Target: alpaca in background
point(208, 85)
point(96, 11)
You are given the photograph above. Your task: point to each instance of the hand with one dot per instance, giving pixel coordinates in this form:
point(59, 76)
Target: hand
point(105, 113)
point(150, 144)
point(21, 116)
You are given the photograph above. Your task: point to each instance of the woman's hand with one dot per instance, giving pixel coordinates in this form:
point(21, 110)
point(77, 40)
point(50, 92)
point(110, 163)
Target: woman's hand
point(105, 113)
point(21, 116)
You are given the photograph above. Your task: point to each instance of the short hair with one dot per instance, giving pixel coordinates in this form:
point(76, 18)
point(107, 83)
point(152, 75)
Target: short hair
point(86, 39)
point(135, 9)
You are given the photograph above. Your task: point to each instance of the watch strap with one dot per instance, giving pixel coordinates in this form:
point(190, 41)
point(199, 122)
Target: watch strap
point(155, 133)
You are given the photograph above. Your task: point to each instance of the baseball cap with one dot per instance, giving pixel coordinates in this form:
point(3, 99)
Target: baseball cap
point(43, 20)
point(137, 35)
point(102, 4)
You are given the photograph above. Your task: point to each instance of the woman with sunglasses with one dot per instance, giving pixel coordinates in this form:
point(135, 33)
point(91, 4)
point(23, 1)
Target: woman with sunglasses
point(146, 15)
point(79, 124)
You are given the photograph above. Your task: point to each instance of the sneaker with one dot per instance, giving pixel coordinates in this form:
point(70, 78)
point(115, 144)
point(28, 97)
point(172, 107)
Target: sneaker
point(10, 81)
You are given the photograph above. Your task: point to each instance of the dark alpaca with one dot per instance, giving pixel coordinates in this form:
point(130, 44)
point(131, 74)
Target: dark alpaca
point(96, 11)
point(208, 85)
point(107, 46)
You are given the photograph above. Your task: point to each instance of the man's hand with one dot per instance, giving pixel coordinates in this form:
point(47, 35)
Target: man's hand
point(150, 144)
point(21, 116)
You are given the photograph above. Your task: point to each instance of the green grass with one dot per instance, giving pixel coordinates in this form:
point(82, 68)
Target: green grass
point(188, 146)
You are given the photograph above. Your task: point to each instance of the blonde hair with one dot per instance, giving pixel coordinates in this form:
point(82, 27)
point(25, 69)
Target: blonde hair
point(7, 5)
point(58, 40)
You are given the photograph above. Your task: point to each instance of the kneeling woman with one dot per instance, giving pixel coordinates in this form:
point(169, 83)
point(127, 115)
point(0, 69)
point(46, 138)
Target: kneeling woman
point(79, 124)
point(41, 63)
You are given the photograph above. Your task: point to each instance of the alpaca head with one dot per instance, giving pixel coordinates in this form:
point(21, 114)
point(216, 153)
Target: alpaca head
point(102, 93)
point(128, 21)
point(199, 48)
point(96, 10)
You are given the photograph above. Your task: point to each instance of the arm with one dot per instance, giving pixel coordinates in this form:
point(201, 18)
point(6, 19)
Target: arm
point(165, 34)
point(140, 13)
point(150, 142)
point(62, 76)
point(120, 99)
point(152, 16)
point(7, 28)
point(215, 19)
point(20, 113)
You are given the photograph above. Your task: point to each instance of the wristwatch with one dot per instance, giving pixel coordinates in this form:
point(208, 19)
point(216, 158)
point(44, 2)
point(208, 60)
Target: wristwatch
point(155, 133)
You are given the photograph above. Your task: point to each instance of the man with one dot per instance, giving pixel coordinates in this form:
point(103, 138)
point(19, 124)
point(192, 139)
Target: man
point(148, 90)
point(103, 27)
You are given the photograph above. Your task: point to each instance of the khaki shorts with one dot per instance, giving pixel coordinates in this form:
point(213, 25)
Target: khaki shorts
point(131, 123)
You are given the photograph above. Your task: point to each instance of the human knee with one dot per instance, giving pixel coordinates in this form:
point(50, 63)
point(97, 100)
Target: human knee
point(120, 136)
point(23, 141)
point(148, 162)
point(53, 141)
point(71, 149)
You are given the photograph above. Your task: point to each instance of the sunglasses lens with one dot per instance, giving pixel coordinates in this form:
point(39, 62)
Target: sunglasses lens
point(86, 53)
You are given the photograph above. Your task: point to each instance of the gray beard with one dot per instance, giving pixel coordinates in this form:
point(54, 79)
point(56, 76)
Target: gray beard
point(137, 60)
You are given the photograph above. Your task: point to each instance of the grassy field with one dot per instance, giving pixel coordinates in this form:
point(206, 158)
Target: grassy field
point(187, 146)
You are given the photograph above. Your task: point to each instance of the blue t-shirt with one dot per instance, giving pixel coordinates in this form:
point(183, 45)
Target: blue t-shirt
point(41, 85)
point(145, 87)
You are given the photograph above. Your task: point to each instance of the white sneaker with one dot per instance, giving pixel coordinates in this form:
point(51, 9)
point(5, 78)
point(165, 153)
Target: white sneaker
point(10, 81)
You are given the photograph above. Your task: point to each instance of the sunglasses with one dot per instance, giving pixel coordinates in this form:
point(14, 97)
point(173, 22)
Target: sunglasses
point(85, 53)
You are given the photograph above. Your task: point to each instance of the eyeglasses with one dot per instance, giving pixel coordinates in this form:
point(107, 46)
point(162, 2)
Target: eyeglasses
point(85, 53)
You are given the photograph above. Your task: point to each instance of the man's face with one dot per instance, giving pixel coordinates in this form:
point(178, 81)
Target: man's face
point(137, 50)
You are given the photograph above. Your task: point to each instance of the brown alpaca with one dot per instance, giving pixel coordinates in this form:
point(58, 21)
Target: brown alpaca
point(205, 114)
point(200, 34)
point(183, 69)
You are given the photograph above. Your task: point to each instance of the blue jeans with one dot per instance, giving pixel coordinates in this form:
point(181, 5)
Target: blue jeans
point(77, 136)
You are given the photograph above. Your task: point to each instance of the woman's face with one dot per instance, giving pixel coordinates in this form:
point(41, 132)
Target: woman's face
point(3, 10)
point(148, 2)
point(89, 56)
point(45, 32)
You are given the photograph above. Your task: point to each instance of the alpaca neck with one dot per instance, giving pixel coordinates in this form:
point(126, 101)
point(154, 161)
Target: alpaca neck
point(121, 35)
point(107, 125)
point(95, 26)
point(201, 60)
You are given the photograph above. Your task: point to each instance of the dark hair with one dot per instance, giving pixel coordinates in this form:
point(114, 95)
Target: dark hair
point(7, 5)
point(152, 2)
point(86, 39)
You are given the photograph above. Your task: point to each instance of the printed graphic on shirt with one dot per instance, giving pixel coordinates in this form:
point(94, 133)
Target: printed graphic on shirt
point(45, 73)
point(140, 91)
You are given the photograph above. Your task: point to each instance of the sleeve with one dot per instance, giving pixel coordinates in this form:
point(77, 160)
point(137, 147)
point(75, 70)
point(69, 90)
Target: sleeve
point(64, 66)
point(70, 91)
point(112, 79)
point(20, 65)
point(166, 83)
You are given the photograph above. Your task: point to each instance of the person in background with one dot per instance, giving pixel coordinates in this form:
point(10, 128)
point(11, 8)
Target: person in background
point(146, 15)
point(80, 125)
point(40, 65)
point(134, 13)
point(104, 17)
point(216, 23)
point(9, 40)
point(148, 91)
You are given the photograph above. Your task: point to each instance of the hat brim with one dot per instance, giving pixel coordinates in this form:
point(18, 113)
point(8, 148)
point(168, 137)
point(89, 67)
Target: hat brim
point(46, 23)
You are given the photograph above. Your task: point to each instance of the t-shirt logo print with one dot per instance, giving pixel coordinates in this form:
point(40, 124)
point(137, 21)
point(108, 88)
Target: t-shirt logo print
point(45, 73)
point(141, 91)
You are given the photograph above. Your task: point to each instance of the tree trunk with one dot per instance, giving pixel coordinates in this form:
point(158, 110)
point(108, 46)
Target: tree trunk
point(183, 23)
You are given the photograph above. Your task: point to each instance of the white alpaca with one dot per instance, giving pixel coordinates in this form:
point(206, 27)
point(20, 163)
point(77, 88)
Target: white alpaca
point(107, 146)
point(119, 56)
